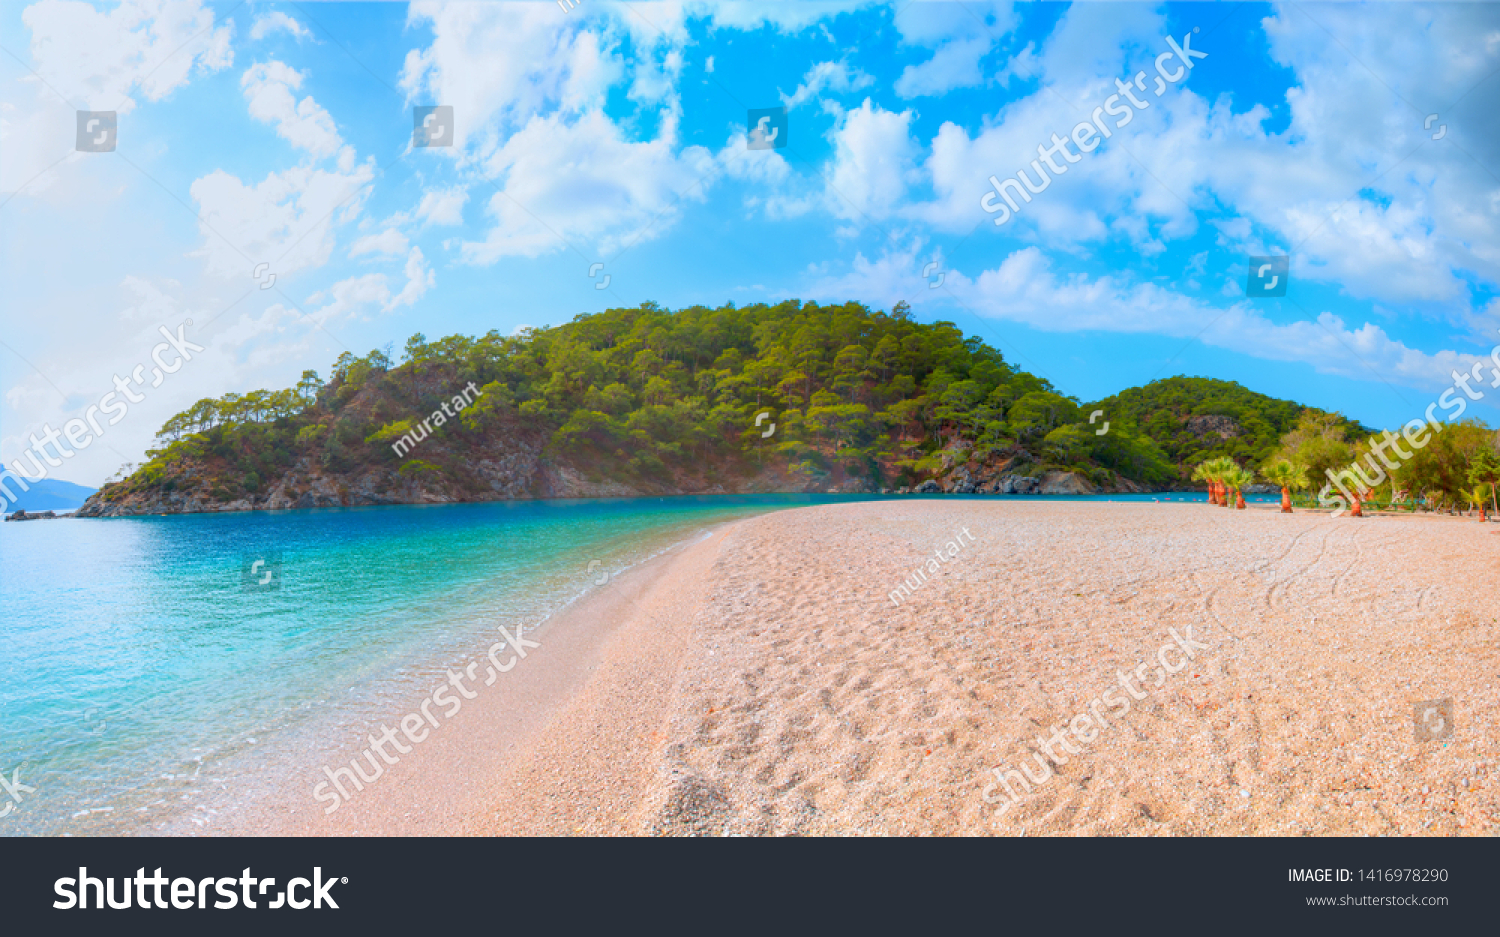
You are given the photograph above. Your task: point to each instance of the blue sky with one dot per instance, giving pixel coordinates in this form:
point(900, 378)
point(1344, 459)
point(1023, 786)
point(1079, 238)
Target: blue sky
point(263, 133)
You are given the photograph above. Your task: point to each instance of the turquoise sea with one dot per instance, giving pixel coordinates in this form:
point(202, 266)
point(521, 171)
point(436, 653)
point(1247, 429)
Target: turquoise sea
point(137, 652)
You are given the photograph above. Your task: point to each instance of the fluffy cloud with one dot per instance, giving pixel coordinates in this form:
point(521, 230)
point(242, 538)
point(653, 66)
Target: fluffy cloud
point(584, 183)
point(304, 124)
point(499, 64)
point(960, 34)
point(390, 242)
point(277, 21)
point(348, 297)
point(1354, 184)
point(1132, 186)
point(749, 15)
point(1026, 289)
point(33, 141)
point(832, 76)
point(97, 59)
point(89, 59)
point(443, 206)
point(286, 220)
point(419, 279)
point(528, 97)
point(872, 163)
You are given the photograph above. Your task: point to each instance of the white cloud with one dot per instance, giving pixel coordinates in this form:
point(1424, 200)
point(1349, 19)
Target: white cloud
point(1133, 185)
point(419, 279)
point(304, 124)
point(954, 65)
point(960, 34)
point(346, 298)
point(443, 206)
point(277, 21)
point(1426, 227)
point(98, 59)
point(872, 163)
point(389, 242)
point(656, 82)
point(528, 91)
point(584, 183)
point(500, 64)
point(833, 76)
point(32, 141)
point(1024, 288)
point(744, 15)
point(286, 220)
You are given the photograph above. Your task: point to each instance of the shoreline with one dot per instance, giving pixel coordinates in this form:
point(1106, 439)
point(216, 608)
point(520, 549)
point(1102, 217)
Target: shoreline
point(488, 739)
point(77, 513)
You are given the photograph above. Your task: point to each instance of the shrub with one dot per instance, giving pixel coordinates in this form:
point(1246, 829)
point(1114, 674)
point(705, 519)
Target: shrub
point(416, 468)
point(311, 435)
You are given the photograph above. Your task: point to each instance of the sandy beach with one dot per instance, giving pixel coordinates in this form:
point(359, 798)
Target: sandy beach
point(762, 681)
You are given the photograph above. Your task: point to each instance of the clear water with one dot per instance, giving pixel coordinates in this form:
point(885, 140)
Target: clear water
point(135, 652)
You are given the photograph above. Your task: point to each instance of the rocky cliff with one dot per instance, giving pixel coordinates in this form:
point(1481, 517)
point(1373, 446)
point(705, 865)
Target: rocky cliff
point(512, 469)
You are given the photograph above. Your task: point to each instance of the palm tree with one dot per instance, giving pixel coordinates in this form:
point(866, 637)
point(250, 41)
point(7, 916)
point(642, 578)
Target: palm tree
point(1216, 473)
point(1238, 479)
point(1225, 474)
point(1481, 496)
point(1203, 474)
point(1286, 475)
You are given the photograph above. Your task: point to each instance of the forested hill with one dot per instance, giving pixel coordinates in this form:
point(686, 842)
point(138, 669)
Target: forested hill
point(1197, 418)
point(791, 397)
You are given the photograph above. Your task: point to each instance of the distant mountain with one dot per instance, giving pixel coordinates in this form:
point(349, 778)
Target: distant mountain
point(46, 494)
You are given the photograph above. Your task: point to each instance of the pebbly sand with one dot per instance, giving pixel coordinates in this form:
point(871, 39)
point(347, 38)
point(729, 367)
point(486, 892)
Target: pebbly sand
point(762, 682)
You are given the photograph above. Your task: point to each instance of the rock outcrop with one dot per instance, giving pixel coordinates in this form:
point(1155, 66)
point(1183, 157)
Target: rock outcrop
point(1015, 485)
point(1065, 483)
point(1225, 427)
